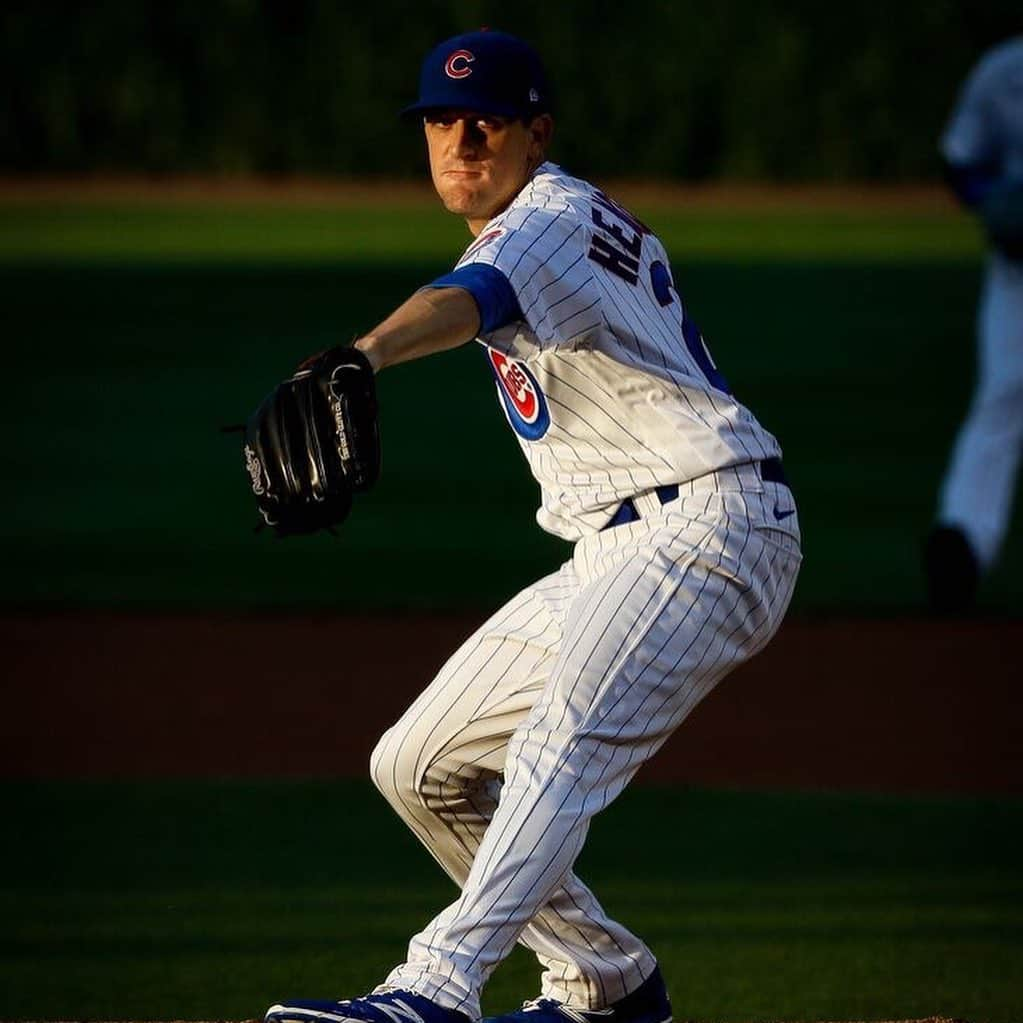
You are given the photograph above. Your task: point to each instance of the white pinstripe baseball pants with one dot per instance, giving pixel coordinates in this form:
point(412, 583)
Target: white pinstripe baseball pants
point(565, 692)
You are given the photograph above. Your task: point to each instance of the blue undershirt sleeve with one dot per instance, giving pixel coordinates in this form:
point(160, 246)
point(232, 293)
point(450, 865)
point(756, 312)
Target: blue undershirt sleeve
point(494, 296)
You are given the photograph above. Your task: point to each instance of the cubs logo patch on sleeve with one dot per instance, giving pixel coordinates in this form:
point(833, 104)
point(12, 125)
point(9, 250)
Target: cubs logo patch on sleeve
point(520, 394)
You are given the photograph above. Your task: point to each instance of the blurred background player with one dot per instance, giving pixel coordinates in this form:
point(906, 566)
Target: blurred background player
point(983, 148)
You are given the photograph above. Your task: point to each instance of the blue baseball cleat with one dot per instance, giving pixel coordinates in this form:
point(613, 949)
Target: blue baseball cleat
point(647, 1004)
point(388, 1006)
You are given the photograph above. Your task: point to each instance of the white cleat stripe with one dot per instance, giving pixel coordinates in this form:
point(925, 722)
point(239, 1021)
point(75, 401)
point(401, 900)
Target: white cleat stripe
point(401, 1013)
point(292, 1014)
point(398, 1012)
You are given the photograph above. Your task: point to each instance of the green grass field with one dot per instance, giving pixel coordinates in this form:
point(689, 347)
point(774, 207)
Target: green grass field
point(209, 900)
point(135, 331)
point(371, 234)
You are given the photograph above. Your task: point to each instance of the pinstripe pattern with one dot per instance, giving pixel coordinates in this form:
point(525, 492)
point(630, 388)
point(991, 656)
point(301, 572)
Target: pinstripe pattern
point(440, 768)
point(631, 408)
point(542, 716)
point(566, 692)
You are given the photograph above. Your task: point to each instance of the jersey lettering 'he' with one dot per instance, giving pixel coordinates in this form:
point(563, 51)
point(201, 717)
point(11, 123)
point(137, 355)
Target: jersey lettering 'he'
point(620, 256)
point(620, 212)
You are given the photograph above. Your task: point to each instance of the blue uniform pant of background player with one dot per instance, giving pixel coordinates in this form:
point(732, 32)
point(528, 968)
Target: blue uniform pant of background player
point(976, 494)
point(565, 692)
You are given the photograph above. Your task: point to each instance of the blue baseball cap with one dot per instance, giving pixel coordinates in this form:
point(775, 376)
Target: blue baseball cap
point(487, 72)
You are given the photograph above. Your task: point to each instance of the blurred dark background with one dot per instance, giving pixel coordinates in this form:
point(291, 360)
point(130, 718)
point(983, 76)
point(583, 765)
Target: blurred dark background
point(792, 90)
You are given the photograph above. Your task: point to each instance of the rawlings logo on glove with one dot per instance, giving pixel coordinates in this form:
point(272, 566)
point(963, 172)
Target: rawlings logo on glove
point(255, 471)
point(314, 442)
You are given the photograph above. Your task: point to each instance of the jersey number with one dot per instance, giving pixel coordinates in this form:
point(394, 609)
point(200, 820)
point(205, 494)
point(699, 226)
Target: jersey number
point(618, 249)
point(660, 282)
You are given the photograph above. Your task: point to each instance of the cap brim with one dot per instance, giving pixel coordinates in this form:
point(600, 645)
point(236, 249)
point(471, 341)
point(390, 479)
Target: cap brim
point(498, 109)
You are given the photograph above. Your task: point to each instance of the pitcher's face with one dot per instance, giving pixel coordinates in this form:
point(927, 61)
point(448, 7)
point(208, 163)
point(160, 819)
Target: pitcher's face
point(480, 162)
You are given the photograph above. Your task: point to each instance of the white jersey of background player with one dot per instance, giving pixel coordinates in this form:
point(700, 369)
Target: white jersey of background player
point(685, 556)
point(983, 147)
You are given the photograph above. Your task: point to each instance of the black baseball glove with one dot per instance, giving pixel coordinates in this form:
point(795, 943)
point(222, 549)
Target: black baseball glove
point(314, 442)
point(1001, 211)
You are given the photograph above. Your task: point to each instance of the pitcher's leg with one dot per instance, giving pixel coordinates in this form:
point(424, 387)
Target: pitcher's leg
point(440, 767)
point(643, 644)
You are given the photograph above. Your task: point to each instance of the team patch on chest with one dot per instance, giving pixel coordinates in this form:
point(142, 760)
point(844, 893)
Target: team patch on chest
point(521, 396)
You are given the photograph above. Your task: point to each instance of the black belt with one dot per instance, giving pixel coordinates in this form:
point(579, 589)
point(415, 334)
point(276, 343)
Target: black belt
point(771, 471)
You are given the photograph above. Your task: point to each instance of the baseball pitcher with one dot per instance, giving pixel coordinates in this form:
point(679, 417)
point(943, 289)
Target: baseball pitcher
point(686, 550)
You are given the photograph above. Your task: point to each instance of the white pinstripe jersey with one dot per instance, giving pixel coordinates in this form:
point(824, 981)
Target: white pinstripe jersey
point(986, 126)
point(606, 382)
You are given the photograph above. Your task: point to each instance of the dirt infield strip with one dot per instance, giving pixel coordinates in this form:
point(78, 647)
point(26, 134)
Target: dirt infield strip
point(894, 705)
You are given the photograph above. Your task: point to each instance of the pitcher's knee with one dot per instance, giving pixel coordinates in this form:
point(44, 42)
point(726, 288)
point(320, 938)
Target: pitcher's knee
point(411, 780)
point(392, 768)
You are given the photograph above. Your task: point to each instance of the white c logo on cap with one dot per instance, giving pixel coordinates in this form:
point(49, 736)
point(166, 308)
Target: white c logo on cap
point(457, 65)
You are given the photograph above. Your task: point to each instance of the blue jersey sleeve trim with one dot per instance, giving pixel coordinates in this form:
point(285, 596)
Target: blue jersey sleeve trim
point(494, 296)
